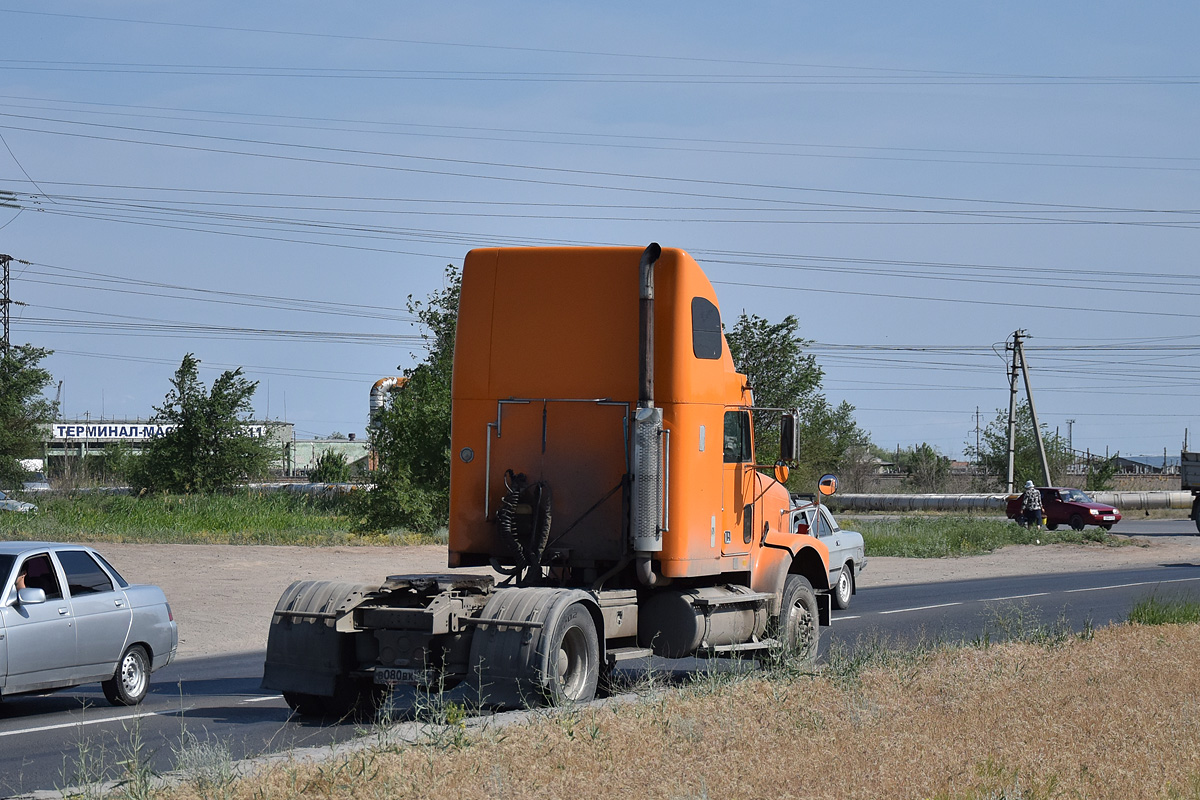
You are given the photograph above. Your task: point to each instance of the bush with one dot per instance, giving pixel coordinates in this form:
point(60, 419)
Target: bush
point(331, 467)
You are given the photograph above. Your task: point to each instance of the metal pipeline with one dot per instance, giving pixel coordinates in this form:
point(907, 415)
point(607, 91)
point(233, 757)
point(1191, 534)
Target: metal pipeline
point(995, 502)
point(379, 393)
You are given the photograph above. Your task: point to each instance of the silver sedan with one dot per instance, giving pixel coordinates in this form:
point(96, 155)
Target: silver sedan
point(69, 618)
point(847, 556)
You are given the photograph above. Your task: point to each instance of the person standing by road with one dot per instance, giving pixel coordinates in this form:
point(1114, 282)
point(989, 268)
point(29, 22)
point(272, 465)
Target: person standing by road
point(1031, 505)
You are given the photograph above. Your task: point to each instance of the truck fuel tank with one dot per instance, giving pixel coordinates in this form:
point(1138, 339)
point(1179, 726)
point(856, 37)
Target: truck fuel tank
point(675, 623)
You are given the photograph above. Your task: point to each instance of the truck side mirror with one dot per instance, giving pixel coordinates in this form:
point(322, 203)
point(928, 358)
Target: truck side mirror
point(789, 436)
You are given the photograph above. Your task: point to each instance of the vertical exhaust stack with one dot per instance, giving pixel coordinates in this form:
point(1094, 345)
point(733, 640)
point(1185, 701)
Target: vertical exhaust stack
point(646, 502)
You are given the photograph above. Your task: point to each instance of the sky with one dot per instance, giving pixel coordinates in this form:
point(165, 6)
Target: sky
point(265, 185)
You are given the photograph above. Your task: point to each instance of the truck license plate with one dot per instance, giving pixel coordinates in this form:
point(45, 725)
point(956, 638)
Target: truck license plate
point(394, 675)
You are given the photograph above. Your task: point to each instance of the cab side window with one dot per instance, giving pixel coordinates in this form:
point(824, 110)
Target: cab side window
point(39, 574)
point(84, 575)
point(706, 329)
point(737, 437)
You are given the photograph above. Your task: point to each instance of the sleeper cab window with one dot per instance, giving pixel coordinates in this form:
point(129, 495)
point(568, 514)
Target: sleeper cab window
point(737, 437)
point(706, 329)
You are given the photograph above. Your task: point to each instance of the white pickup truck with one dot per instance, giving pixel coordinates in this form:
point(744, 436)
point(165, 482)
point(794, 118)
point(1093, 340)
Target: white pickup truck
point(1189, 479)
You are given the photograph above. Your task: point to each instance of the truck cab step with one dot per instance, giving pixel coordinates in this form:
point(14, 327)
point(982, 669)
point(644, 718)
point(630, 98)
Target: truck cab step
point(619, 654)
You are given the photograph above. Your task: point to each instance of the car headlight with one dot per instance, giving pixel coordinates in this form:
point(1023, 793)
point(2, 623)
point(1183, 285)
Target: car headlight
point(1093, 512)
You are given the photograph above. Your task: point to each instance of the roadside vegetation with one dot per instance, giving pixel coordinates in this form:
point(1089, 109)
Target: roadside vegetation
point(287, 518)
point(913, 536)
point(1027, 712)
point(280, 518)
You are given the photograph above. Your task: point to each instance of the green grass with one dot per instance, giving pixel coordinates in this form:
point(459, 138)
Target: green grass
point(281, 518)
point(938, 537)
point(1155, 610)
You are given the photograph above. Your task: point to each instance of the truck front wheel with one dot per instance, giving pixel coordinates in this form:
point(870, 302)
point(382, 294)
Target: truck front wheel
point(799, 631)
point(573, 661)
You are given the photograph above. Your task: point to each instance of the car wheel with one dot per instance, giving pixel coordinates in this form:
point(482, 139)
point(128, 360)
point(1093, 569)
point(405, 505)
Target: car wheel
point(1051, 526)
point(1076, 522)
point(799, 620)
point(844, 588)
point(130, 683)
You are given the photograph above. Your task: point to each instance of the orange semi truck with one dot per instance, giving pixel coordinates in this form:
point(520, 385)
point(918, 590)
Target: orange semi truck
point(603, 469)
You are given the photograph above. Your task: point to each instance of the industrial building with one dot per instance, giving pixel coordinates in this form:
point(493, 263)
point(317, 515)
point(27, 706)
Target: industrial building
point(68, 441)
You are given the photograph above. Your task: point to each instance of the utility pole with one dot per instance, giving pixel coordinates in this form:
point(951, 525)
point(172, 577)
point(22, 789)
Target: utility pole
point(1012, 410)
point(976, 440)
point(5, 300)
point(1019, 364)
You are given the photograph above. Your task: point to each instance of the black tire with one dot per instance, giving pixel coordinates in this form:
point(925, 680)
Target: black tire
point(1076, 522)
point(844, 588)
point(1051, 526)
point(573, 660)
point(306, 705)
point(799, 630)
point(1107, 526)
point(131, 682)
point(352, 699)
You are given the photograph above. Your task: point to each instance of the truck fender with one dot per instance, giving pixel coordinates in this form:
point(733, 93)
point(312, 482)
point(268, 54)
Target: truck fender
point(509, 662)
point(310, 643)
point(786, 554)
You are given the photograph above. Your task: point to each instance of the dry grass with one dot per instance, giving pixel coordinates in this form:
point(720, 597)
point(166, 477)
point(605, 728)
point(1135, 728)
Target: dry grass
point(1114, 716)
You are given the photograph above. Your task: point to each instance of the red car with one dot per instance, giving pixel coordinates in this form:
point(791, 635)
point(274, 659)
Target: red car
point(1065, 506)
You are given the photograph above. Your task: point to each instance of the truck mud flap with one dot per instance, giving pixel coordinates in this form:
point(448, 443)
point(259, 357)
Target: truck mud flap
point(311, 642)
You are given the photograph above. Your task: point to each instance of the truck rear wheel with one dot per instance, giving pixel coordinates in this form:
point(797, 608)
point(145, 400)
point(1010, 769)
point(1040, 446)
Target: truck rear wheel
point(307, 705)
point(351, 699)
point(573, 663)
point(799, 630)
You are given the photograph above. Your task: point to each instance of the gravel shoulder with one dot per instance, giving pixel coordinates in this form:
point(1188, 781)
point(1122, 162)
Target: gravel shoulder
point(223, 595)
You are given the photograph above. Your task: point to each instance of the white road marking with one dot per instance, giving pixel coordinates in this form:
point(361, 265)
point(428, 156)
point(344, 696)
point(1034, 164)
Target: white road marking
point(263, 699)
point(82, 722)
point(1014, 597)
point(1128, 585)
point(843, 619)
point(920, 608)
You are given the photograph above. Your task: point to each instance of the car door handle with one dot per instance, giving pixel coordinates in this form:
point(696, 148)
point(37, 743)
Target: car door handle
point(62, 612)
point(118, 603)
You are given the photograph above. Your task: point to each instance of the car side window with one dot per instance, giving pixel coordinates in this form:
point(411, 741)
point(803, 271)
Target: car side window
point(38, 572)
point(84, 575)
point(828, 519)
point(124, 584)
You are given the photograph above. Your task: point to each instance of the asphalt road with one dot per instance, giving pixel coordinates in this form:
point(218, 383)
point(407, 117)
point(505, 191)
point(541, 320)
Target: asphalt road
point(67, 738)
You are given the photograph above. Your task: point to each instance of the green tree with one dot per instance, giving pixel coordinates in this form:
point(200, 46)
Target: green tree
point(209, 448)
point(925, 469)
point(783, 375)
point(992, 453)
point(411, 435)
point(1100, 472)
point(23, 409)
